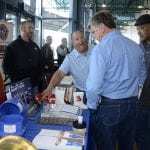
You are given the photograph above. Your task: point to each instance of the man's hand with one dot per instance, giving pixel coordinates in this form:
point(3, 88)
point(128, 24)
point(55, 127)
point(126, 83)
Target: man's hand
point(46, 93)
point(57, 77)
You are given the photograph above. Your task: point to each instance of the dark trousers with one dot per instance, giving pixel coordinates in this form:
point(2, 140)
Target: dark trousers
point(113, 123)
point(143, 130)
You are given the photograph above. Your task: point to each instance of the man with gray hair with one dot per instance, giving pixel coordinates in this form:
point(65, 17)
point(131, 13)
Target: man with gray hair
point(116, 68)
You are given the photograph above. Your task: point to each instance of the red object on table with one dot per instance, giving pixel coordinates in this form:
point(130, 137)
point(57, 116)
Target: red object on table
point(46, 100)
point(78, 98)
point(52, 99)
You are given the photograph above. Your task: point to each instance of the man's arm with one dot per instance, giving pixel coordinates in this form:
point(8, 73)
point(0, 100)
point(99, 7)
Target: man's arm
point(57, 77)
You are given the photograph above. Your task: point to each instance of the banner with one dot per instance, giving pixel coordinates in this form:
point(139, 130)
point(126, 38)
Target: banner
point(6, 33)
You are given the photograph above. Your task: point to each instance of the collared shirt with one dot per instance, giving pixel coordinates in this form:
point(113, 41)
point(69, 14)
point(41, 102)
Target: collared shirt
point(116, 68)
point(146, 49)
point(76, 64)
point(144, 101)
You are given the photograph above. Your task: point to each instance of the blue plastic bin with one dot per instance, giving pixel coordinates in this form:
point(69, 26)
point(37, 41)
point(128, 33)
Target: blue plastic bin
point(11, 124)
point(14, 106)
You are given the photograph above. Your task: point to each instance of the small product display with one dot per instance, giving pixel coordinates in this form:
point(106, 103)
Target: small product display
point(78, 100)
point(59, 114)
point(78, 96)
point(79, 125)
point(64, 94)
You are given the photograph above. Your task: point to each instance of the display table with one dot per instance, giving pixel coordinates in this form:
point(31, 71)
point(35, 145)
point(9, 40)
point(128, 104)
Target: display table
point(33, 128)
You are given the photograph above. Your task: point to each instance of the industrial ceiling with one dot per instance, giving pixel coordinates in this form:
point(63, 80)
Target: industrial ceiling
point(125, 11)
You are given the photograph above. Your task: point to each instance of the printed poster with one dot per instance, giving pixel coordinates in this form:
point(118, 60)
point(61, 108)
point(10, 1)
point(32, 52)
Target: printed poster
point(6, 33)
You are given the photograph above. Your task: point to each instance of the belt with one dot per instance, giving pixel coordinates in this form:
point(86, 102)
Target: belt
point(113, 101)
point(121, 100)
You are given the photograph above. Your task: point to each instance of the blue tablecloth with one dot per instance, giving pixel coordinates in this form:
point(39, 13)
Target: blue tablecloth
point(33, 128)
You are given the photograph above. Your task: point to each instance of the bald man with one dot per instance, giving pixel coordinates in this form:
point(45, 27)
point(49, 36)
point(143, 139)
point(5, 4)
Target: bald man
point(75, 63)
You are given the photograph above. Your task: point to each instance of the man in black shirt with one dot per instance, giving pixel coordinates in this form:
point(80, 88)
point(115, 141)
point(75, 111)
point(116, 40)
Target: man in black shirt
point(22, 57)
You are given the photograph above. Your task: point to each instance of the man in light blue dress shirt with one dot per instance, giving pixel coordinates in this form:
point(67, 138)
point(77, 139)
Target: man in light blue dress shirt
point(75, 63)
point(116, 69)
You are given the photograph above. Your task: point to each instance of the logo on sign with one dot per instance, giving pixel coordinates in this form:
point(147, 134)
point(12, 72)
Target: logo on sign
point(3, 32)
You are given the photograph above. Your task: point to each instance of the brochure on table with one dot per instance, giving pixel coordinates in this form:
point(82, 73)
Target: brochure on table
point(58, 140)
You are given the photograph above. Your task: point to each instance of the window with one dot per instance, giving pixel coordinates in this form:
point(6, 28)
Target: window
point(57, 16)
point(27, 2)
point(56, 8)
point(58, 29)
point(11, 18)
point(38, 8)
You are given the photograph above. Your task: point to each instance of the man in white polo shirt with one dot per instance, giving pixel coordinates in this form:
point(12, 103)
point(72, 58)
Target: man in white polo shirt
point(75, 63)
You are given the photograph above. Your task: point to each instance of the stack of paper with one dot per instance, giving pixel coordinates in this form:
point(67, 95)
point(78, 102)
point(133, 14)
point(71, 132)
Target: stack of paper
point(58, 140)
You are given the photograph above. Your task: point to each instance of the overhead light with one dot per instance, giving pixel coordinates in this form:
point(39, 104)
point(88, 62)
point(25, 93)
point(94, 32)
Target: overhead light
point(104, 5)
point(140, 6)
